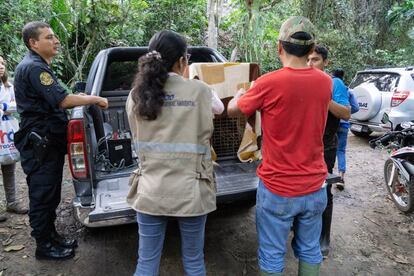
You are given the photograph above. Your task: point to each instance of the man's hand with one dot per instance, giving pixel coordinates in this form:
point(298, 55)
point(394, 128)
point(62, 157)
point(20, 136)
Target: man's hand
point(102, 102)
point(240, 93)
point(232, 108)
point(340, 111)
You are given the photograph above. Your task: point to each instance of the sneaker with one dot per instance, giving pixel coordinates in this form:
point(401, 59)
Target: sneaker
point(17, 208)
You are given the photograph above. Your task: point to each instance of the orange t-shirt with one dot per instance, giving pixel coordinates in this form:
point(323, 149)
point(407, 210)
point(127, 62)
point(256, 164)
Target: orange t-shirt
point(294, 107)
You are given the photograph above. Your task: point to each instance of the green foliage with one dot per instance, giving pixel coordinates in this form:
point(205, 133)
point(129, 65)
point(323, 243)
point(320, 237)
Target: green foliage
point(13, 16)
point(186, 17)
point(403, 11)
point(85, 27)
point(356, 32)
point(402, 16)
point(253, 33)
point(359, 33)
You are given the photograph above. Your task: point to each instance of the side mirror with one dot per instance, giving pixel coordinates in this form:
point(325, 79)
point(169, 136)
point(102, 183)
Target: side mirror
point(80, 87)
point(386, 119)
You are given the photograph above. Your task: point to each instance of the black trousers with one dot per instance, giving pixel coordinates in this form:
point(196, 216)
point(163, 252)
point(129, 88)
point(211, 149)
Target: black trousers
point(330, 157)
point(44, 180)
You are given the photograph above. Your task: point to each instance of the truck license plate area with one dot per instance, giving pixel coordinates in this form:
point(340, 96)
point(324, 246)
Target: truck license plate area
point(110, 196)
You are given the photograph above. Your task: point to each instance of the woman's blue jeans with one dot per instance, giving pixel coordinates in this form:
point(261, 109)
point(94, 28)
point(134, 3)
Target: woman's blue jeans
point(151, 230)
point(341, 150)
point(275, 216)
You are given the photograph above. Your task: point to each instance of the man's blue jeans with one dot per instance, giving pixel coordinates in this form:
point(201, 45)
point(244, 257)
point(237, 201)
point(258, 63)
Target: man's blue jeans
point(341, 150)
point(275, 215)
point(151, 230)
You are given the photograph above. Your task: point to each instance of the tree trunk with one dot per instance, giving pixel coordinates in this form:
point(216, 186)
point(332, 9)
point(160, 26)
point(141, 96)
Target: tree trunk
point(234, 54)
point(213, 13)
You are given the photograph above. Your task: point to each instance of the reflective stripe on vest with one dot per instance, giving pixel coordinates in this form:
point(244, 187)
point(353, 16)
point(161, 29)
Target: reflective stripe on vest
point(176, 148)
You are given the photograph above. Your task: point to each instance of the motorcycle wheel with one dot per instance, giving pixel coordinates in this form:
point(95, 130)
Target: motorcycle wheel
point(400, 189)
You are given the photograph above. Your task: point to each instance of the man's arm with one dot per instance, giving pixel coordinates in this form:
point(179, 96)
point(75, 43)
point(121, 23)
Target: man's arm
point(232, 109)
point(339, 111)
point(76, 100)
point(49, 89)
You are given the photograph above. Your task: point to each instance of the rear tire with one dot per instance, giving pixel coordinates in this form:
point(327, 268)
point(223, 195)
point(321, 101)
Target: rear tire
point(361, 134)
point(408, 207)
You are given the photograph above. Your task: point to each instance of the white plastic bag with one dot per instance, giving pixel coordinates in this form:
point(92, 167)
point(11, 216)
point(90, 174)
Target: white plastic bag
point(8, 152)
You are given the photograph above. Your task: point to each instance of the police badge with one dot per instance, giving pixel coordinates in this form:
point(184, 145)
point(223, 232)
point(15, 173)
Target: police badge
point(46, 79)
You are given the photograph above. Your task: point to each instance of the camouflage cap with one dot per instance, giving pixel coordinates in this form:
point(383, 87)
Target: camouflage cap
point(297, 24)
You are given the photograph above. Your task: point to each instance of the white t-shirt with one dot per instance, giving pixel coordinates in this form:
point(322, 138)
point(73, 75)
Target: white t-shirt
point(7, 99)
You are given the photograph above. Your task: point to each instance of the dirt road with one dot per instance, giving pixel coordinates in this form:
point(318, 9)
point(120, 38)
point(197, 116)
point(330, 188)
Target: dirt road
point(370, 236)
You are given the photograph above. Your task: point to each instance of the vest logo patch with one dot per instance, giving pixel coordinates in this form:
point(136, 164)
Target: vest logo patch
point(180, 103)
point(169, 97)
point(46, 79)
point(170, 101)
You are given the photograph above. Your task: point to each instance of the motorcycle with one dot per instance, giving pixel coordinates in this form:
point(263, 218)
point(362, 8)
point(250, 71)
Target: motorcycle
point(399, 167)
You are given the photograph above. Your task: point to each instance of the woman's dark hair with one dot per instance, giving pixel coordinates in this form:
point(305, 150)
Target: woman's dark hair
point(298, 50)
point(165, 48)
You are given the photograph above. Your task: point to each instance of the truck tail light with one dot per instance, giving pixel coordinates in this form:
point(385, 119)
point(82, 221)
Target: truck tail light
point(78, 161)
point(398, 97)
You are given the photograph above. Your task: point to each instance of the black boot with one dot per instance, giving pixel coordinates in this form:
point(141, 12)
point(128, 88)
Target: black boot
point(48, 250)
point(62, 241)
point(326, 224)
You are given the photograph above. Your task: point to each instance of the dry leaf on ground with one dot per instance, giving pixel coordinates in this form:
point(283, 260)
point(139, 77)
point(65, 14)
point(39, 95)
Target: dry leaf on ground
point(16, 247)
point(4, 231)
point(7, 242)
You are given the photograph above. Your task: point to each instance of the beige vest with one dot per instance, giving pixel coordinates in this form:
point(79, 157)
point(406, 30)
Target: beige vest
point(175, 174)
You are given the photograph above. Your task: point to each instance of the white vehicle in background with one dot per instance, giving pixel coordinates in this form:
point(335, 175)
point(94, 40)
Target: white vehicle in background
point(379, 91)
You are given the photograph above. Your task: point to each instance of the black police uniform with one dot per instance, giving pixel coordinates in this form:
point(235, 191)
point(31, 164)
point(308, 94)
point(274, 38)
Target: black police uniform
point(38, 95)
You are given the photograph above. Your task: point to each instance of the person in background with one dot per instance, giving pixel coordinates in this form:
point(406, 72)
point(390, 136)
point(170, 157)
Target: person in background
point(171, 121)
point(42, 137)
point(292, 189)
point(7, 107)
point(343, 132)
point(338, 109)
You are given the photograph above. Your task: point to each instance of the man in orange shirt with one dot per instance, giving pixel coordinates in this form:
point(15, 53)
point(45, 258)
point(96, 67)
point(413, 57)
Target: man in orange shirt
point(293, 102)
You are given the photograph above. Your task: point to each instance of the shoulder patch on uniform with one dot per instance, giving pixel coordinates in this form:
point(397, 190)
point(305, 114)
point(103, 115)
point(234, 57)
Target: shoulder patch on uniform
point(46, 79)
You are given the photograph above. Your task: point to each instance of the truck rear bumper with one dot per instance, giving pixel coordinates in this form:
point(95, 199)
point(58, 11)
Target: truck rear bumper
point(82, 214)
point(127, 216)
point(235, 183)
point(368, 126)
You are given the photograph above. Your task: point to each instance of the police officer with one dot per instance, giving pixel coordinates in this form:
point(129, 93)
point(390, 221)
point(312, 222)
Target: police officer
point(41, 140)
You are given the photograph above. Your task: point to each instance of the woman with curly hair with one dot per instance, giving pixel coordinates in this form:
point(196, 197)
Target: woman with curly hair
point(171, 120)
point(7, 107)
